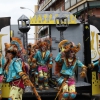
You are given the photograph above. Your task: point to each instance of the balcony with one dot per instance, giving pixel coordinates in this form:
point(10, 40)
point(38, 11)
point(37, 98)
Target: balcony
point(44, 4)
point(71, 4)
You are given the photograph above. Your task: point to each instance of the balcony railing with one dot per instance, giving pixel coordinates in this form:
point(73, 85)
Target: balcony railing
point(45, 3)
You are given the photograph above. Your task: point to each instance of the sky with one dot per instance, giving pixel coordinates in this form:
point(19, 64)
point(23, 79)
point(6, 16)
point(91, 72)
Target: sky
point(11, 8)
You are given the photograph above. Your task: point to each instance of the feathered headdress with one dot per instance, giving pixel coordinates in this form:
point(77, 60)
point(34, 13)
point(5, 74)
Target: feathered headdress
point(7, 45)
point(39, 44)
point(46, 42)
point(76, 48)
point(16, 41)
point(35, 46)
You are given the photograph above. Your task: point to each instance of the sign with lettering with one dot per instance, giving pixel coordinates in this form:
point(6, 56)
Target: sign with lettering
point(48, 17)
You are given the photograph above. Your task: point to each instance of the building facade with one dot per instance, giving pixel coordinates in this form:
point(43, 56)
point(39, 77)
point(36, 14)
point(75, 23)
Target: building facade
point(36, 27)
point(48, 5)
point(16, 33)
point(82, 8)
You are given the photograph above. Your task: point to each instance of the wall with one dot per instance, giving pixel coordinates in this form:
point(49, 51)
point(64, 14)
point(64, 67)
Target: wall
point(74, 33)
point(16, 32)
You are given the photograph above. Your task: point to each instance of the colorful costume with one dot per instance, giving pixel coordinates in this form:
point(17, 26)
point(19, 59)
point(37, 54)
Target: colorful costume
point(20, 54)
point(2, 63)
point(97, 63)
point(33, 71)
point(12, 69)
point(44, 60)
point(66, 63)
point(14, 73)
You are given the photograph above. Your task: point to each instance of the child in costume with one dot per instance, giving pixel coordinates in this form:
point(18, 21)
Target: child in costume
point(66, 62)
point(33, 71)
point(14, 74)
point(44, 61)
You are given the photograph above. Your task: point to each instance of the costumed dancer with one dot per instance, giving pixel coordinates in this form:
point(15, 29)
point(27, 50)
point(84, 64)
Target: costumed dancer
point(94, 64)
point(43, 59)
point(14, 74)
point(33, 71)
point(20, 54)
point(2, 63)
point(66, 63)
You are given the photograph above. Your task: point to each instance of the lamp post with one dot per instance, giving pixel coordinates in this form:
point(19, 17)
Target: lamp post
point(31, 11)
point(24, 27)
point(26, 8)
point(61, 25)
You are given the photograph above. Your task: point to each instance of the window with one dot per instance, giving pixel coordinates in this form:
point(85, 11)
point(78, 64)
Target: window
point(67, 4)
point(73, 2)
point(79, 0)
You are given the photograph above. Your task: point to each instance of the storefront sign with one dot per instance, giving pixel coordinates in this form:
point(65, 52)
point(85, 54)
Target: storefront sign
point(48, 17)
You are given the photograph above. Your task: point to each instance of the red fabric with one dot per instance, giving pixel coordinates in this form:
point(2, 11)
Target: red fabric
point(1, 78)
point(18, 83)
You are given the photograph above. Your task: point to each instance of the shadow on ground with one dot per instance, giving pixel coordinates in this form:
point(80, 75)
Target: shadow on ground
point(79, 97)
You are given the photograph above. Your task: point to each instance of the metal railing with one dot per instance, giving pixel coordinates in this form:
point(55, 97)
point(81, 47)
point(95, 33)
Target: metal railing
point(45, 2)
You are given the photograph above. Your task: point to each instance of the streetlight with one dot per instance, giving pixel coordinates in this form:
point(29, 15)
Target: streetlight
point(26, 8)
point(31, 11)
point(24, 27)
point(61, 25)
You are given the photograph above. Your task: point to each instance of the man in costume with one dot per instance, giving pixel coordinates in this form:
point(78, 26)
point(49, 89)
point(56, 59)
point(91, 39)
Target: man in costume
point(20, 54)
point(14, 74)
point(66, 63)
point(44, 61)
point(33, 71)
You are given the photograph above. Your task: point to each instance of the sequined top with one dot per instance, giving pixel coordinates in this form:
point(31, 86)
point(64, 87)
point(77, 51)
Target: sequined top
point(12, 71)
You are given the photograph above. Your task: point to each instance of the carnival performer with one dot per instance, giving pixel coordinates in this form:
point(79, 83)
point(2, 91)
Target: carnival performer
point(14, 74)
point(33, 71)
point(66, 63)
point(95, 64)
point(20, 54)
point(2, 63)
point(43, 59)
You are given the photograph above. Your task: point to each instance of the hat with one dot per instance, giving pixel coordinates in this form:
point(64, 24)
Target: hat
point(62, 43)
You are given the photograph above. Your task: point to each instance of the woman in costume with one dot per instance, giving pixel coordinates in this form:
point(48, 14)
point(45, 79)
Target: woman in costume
point(66, 63)
point(44, 61)
point(14, 73)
